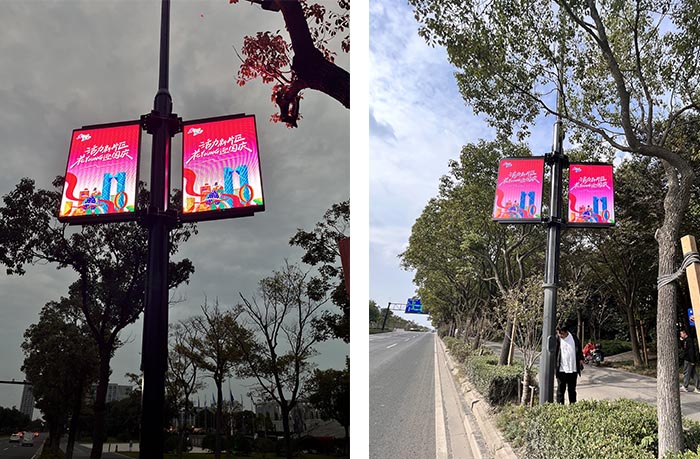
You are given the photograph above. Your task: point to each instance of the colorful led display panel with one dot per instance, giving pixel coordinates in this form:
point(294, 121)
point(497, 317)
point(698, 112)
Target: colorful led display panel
point(414, 306)
point(102, 174)
point(591, 195)
point(519, 190)
point(221, 168)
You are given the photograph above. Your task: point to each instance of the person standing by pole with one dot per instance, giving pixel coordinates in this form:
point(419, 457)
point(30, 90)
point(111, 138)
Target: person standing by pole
point(689, 355)
point(569, 363)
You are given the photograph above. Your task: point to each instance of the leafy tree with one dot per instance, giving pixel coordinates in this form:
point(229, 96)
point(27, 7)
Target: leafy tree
point(61, 363)
point(629, 73)
point(322, 250)
point(311, 27)
point(182, 377)
point(283, 336)
point(123, 417)
point(329, 391)
point(462, 259)
point(215, 344)
point(110, 260)
point(12, 420)
point(375, 314)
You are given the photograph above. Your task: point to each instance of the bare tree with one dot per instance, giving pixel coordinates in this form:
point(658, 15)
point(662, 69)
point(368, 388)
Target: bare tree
point(281, 322)
point(524, 304)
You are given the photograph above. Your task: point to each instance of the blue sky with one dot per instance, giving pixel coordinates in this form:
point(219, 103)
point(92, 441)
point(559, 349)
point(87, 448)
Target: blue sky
point(418, 121)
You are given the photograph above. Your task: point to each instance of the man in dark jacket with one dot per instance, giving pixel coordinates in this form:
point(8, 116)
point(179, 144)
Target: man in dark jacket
point(689, 355)
point(569, 363)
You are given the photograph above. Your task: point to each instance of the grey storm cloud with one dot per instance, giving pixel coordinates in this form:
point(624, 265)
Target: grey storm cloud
point(65, 64)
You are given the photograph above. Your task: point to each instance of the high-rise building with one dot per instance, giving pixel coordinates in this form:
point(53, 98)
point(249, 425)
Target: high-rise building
point(114, 392)
point(26, 406)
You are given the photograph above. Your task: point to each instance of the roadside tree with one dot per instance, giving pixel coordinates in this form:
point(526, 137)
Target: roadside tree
point(61, 363)
point(110, 260)
point(323, 252)
point(280, 322)
point(629, 74)
point(215, 343)
point(183, 378)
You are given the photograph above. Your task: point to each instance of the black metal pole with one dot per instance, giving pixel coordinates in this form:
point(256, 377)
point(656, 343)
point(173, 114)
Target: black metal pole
point(155, 326)
point(551, 268)
point(386, 316)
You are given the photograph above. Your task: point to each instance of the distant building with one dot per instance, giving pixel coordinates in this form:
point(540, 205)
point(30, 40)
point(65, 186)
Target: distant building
point(304, 416)
point(26, 406)
point(114, 392)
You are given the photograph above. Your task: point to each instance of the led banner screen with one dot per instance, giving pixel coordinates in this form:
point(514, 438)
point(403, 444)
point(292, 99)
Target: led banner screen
point(102, 174)
point(414, 306)
point(519, 190)
point(591, 195)
point(220, 168)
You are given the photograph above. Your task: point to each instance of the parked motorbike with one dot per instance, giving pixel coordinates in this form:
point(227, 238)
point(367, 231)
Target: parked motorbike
point(596, 356)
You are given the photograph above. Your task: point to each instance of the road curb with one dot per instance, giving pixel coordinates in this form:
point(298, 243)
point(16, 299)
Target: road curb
point(40, 450)
point(498, 447)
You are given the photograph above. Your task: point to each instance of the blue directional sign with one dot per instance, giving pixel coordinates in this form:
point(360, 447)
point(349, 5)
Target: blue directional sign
point(413, 306)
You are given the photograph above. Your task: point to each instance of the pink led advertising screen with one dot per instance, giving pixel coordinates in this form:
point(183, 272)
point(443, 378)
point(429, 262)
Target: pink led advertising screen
point(519, 190)
point(591, 195)
point(221, 168)
point(102, 174)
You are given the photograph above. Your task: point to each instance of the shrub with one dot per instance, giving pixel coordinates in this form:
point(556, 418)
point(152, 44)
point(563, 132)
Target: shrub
point(622, 429)
point(264, 445)
point(242, 444)
point(684, 455)
point(497, 383)
point(612, 347)
point(54, 454)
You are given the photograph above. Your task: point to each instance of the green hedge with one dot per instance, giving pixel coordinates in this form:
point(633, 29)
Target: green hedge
point(497, 383)
point(612, 347)
point(459, 350)
point(598, 429)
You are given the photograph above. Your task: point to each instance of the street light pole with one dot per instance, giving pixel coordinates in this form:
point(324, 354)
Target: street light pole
point(162, 125)
point(558, 161)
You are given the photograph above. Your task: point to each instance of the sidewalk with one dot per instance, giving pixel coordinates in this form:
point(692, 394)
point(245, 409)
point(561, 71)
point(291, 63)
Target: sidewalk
point(602, 383)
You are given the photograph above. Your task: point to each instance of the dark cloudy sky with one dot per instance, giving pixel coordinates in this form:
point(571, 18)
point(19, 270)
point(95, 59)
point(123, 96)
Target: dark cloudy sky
point(65, 64)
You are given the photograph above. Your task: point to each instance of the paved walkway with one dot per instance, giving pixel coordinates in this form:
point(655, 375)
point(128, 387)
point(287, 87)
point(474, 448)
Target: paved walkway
point(601, 383)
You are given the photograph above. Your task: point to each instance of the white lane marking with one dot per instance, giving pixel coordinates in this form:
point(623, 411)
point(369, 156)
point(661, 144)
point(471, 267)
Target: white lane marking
point(389, 347)
point(440, 433)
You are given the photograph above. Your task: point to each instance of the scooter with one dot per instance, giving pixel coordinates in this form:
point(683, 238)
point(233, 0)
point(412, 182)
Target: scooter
point(595, 356)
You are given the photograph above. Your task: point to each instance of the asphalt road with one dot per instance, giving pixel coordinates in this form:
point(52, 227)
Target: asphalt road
point(17, 451)
point(410, 416)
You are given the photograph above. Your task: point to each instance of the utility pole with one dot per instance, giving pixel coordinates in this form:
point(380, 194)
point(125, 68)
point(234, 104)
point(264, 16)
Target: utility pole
point(162, 124)
point(557, 161)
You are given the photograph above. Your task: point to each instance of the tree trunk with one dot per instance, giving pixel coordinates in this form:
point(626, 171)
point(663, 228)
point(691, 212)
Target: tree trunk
point(217, 449)
point(54, 441)
point(74, 422)
point(632, 327)
point(505, 349)
point(287, 433)
point(579, 324)
point(98, 429)
point(668, 406)
point(526, 387)
point(479, 333)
